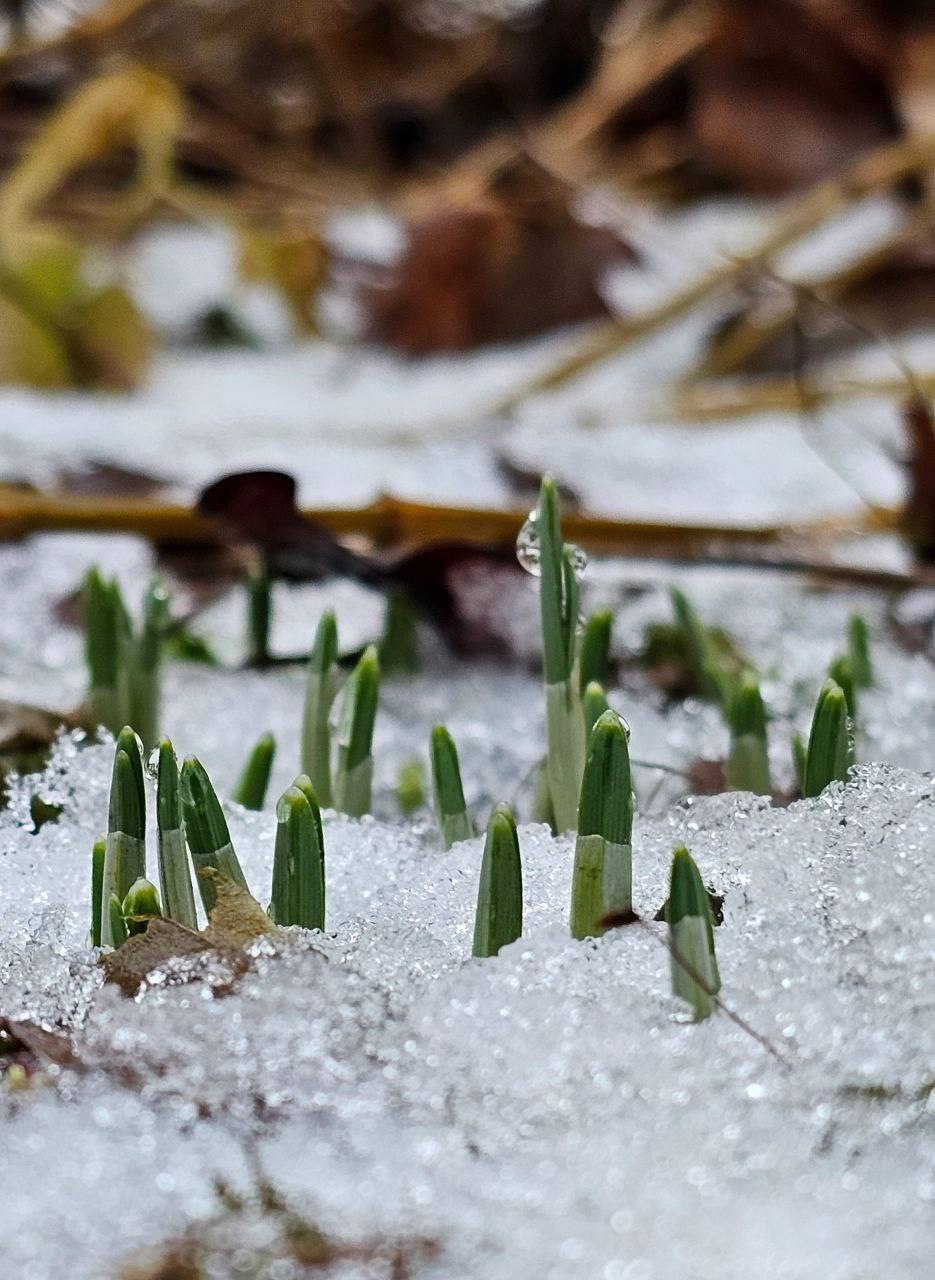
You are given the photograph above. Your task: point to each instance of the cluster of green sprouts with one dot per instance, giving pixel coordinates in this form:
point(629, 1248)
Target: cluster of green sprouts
point(585, 781)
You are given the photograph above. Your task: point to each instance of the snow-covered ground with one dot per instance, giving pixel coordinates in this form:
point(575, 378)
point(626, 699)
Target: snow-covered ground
point(548, 1114)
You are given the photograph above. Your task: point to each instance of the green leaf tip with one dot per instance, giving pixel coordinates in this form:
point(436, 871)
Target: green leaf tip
point(410, 790)
point(298, 892)
point(320, 688)
point(858, 650)
point(841, 671)
point(593, 705)
point(399, 644)
point(454, 821)
point(748, 761)
point(606, 806)
point(207, 831)
point(355, 735)
point(499, 917)
point(252, 785)
point(694, 970)
point(140, 905)
point(127, 810)
point(829, 752)
point(594, 649)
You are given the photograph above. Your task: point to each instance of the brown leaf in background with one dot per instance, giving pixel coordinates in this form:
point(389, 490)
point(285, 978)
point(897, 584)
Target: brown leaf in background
point(790, 90)
point(516, 265)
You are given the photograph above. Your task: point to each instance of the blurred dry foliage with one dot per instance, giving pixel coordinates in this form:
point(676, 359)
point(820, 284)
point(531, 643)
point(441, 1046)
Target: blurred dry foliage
point(477, 122)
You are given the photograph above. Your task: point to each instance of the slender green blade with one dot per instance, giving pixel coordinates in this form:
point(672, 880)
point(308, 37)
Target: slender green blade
point(97, 890)
point(799, 758)
point(828, 755)
point(129, 744)
point(748, 762)
point(355, 736)
point(140, 906)
point(594, 649)
point(320, 688)
point(206, 830)
point(858, 650)
point(102, 650)
point(606, 807)
point(174, 878)
point(454, 821)
point(399, 645)
point(127, 809)
point(304, 784)
point(694, 973)
point(499, 917)
point(593, 705)
point(556, 650)
point(145, 673)
point(116, 931)
point(842, 673)
point(252, 785)
point(410, 790)
point(298, 864)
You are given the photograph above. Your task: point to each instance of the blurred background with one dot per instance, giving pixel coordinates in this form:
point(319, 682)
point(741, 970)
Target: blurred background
point(415, 252)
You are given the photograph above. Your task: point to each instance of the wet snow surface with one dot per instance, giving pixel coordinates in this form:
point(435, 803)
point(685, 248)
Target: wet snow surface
point(548, 1113)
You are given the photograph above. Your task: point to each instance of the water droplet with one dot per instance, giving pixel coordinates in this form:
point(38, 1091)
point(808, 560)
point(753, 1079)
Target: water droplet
point(528, 550)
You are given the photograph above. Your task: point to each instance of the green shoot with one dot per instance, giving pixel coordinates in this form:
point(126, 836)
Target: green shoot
point(558, 601)
point(454, 821)
point(125, 847)
point(399, 646)
point(542, 810)
point(594, 650)
point(304, 784)
point(355, 736)
point(410, 790)
point(499, 918)
point(708, 671)
point(748, 762)
point(799, 758)
point(144, 666)
point(841, 672)
point(250, 790)
point(174, 878)
point(298, 894)
point(602, 882)
point(140, 906)
point(97, 889)
point(320, 688)
point(259, 613)
point(858, 650)
point(593, 705)
point(694, 969)
point(829, 752)
point(116, 930)
point(206, 830)
point(102, 650)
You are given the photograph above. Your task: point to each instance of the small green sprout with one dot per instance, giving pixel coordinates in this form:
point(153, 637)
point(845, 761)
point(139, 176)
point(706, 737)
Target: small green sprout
point(355, 736)
point(144, 666)
point(594, 704)
point(250, 790)
point(709, 667)
point(321, 683)
point(206, 831)
point(304, 784)
point(140, 906)
point(454, 821)
point(125, 847)
point(858, 650)
point(410, 790)
point(103, 649)
point(829, 752)
point(558, 601)
point(298, 893)
point(399, 645)
point(602, 882)
point(594, 650)
point(841, 671)
point(748, 762)
point(499, 918)
point(97, 889)
point(174, 878)
point(116, 931)
point(259, 613)
point(799, 760)
point(694, 969)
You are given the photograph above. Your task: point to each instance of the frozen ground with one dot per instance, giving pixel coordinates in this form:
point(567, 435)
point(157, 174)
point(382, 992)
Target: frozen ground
point(548, 1113)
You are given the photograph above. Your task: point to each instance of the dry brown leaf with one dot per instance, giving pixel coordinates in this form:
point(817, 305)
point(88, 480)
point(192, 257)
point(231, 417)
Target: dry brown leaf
point(237, 918)
point(163, 941)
